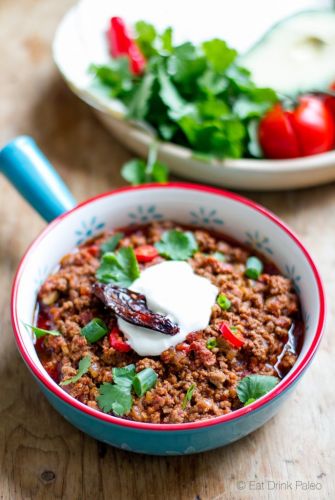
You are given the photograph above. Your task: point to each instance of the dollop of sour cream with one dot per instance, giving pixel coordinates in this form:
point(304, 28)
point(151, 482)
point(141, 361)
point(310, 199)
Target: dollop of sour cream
point(173, 289)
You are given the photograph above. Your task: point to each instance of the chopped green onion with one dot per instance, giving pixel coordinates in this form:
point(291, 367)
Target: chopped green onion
point(254, 268)
point(223, 302)
point(188, 396)
point(94, 330)
point(211, 343)
point(234, 329)
point(144, 381)
point(219, 256)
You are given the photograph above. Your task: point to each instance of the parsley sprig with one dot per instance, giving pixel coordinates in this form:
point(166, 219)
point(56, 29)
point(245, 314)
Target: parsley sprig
point(177, 245)
point(254, 387)
point(117, 397)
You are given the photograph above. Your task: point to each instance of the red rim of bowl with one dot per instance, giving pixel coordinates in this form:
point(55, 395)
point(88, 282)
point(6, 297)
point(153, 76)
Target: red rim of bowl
point(285, 383)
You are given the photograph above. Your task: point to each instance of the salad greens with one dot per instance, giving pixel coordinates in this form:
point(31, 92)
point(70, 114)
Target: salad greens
point(197, 96)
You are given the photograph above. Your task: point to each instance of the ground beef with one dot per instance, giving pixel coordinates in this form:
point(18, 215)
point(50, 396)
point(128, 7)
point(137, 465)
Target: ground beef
point(265, 312)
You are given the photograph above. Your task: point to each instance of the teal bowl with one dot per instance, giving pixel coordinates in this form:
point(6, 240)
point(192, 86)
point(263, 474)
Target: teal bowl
point(197, 205)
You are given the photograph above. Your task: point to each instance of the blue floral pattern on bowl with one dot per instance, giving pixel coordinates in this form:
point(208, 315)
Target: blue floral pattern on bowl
point(88, 230)
point(258, 242)
point(291, 273)
point(204, 216)
point(142, 214)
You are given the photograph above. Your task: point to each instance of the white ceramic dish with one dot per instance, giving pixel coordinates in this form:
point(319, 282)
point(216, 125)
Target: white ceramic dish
point(80, 41)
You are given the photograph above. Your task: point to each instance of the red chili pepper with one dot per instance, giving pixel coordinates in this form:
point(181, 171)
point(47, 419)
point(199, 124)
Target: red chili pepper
point(306, 130)
point(230, 336)
point(145, 253)
point(183, 347)
point(116, 341)
point(121, 44)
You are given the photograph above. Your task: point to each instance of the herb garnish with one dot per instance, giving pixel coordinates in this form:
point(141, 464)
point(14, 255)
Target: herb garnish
point(188, 396)
point(117, 397)
point(177, 245)
point(193, 95)
point(138, 171)
point(94, 330)
point(120, 268)
point(40, 332)
point(211, 343)
point(83, 367)
point(223, 302)
point(254, 387)
point(111, 243)
point(219, 256)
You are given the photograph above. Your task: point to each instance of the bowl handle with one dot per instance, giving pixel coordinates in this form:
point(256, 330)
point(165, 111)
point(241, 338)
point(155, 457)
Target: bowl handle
point(26, 167)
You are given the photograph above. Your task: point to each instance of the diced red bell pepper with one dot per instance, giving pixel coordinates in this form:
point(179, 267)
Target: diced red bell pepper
point(116, 341)
point(122, 44)
point(231, 337)
point(145, 253)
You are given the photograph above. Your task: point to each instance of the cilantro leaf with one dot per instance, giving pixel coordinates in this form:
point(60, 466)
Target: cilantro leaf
point(133, 171)
point(188, 396)
point(145, 38)
point(121, 267)
point(124, 376)
point(111, 243)
point(83, 367)
point(116, 398)
point(194, 95)
point(136, 171)
point(139, 103)
point(177, 245)
point(219, 55)
point(254, 387)
point(40, 332)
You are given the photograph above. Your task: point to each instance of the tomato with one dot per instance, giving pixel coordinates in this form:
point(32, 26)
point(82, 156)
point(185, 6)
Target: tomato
point(330, 100)
point(276, 135)
point(116, 341)
point(145, 253)
point(306, 130)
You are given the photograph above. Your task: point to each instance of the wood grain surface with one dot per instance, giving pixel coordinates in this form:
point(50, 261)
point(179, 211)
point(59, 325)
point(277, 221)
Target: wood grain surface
point(44, 457)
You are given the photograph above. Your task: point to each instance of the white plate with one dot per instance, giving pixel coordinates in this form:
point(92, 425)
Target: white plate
point(80, 41)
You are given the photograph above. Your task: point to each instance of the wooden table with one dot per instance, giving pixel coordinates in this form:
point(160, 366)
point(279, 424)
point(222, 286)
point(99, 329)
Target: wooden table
point(41, 455)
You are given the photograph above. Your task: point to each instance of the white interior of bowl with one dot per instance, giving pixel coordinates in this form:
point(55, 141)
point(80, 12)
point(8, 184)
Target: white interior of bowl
point(188, 206)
